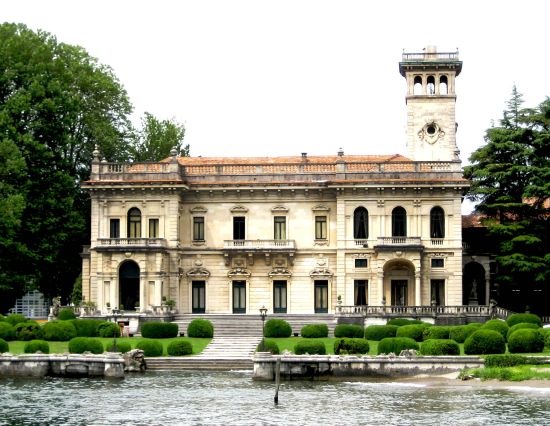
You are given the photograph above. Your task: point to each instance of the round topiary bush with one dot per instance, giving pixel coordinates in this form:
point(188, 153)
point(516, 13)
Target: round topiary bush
point(29, 330)
point(436, 332)
point(497, 325)
point(86, 327)
point(66, 314)
point(399, 322)
point(121, 346)
point(60, 331)
point(37, 346)
point(179, 347)
point(161, 330)
point(526, 340)
point(520, 326)
point(311, 347)
point(440, 347)
point(15, 319)
point(7, 331)
point(78, 345)
point(347, 346)
point(484, 341)
point(108, 329)
point(277, 328)
point(379, 332)
point(349, 330)
point(396, 345)
point(150, 347)
point(519, 318)
point(200, 328)
point(314, 331)
point(4, 347)
point(268, 346)
point(459, 333)
point(414, 331)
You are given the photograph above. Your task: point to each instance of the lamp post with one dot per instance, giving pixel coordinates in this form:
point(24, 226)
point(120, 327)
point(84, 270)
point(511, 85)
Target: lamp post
point(116, 312)
point(263, 314)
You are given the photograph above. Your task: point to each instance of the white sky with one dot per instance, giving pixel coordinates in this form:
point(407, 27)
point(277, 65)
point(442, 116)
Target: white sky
point(272, 78)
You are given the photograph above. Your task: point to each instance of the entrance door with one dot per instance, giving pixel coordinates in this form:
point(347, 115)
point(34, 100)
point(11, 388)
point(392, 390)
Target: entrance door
point(360, 292)
point(438, 292)
point(239, 297)
point(279, 297)
point(128, 283)
point(321, 296)
point(399, 292)
point(198, 297)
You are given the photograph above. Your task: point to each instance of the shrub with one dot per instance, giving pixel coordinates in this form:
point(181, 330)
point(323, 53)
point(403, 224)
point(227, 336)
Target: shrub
point(520, 326)
point(86, 327)
point(150, 347)
point(505, 360)
point(277, 328)
point(396, 345)
point(484, 341)
point(312, 347)
point(404, 321)
point(2, 318)
point(414, 331)
point(526, 340)
point(475, 325)
point(546, 334)
point(66, 314)
point(200, 328)
point(59, 331)
point(349, 330)
point(179, 347)
point(351, 346)
point(459, 333)
point(436, 332)
point(379, 332)
point(15, 319)
point(29, 330)
point(37, 345)
point(4, 347)
point(312, 331)
point(519, 318)
point(78, 345)
point(440, 347)
point(7, 331)
point(121, 346)
point(268, 346)
point(108, 329)
point(160, 330)
point(496, 325)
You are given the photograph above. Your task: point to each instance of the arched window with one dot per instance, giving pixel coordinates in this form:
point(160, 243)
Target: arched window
point(417, 89)
point(134, 223)
point(360, 223)
point(437, 223)
point(431, 85)
point(443, 85)
point(398, 222)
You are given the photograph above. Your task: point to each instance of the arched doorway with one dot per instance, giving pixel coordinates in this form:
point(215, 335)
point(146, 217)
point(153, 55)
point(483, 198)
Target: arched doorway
point(399, 283)
point(473, 284)
point(128, 284)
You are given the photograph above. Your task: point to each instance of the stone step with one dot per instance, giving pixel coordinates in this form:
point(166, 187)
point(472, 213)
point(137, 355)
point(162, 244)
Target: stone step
point(191, 363)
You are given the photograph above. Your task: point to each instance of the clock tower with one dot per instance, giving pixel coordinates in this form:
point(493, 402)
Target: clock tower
point(431, 100)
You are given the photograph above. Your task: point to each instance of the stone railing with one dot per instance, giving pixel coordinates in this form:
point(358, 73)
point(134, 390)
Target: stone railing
point(414, 311)
point(433, 56)
point(134, 242)
point(136, 171)
point(259, 244)
point(399, 241)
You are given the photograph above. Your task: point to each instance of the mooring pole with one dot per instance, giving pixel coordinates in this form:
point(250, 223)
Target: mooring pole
point(277, 380)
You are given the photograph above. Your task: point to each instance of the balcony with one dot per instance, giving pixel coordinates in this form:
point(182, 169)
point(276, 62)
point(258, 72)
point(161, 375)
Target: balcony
point(265, 247)
point(131, 244)
point(401, 243)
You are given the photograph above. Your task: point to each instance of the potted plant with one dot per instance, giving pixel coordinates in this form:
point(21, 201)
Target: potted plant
point(171, 304)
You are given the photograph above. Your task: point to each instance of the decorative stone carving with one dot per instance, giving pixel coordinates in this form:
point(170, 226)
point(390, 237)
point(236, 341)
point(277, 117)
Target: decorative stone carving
point(279, 209)
point(279, 272)
point(198, 272)
point(239, 272)
point(238, 209)
point(198, 210)
point(321, 272)
point(134, 360)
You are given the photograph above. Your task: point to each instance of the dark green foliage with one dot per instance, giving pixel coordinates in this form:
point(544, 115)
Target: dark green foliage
point(268, 346)
point(311, 347)
point(108, 329)
point(37, 345)
point(4, 347)
point(484, 341)
point(505, 360)
point(121, 346)
point(348, 346)
point(150, 347)
point(520, 326)
point(66, 314)
point(404, 321)
point(439, 347)
point(396, 345)
point(78, 345)
point(161, 330)
point(61, 331)
point(313, 331)
point(546, 335)
point(15, 319)
point(436, 332)
point(414, 331)
point(200, 328)
point(29, 330)
point(459, 333)
point(7, 331)
point(523, 318)
point(349, 330)
point(277, 328)
point(379, 332)
point(497, 325)
point(2, 318)
point(179, 347)
point(525, 341)
point(86, 327)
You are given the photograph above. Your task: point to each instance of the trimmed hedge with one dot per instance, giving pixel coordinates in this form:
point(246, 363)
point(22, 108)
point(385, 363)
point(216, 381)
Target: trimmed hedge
point(277, 328)
point(413, 331)
point(15, 319)
point(379, 332)
point(4, 347)
point(59, 331)
point(311, 347)
point(200, 328)
point(161, 330)
point(519, 318)
point(459, 333)
point(439, 332)
point(78, 345)
point(150, 347)
point(87, 327)
point(510, 360)
point(399, 322)
point(7, 331)
point(268, 346)
point(520, 326)
point(66, 314)
point(29, 330)
point(108, 329)
point(526, 340)
point(121, 347)
point(396, 345)
point(314, 331)
point(349, 330)
point(179, 347)
point(37, 345)
point(440, 347)
point(484, 341)
point(496, 325)
point(348, 345)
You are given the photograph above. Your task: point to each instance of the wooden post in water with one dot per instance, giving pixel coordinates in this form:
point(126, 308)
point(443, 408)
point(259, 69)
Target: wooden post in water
point(277, 380)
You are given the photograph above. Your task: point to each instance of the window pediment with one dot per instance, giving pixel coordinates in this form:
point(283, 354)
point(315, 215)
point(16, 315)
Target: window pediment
point(239, 273)
point(198, 272)
point(198, 210)
point(279, 209)
point(238, 209)
point(320, 208)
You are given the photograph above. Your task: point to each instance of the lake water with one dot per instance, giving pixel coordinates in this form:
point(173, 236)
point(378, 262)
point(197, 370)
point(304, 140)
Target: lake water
point(233, 398)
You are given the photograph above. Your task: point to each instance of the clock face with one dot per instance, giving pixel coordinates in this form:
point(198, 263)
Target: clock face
point(431, 132)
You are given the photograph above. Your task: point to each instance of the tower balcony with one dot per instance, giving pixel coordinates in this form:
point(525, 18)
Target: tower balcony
point(131, 244)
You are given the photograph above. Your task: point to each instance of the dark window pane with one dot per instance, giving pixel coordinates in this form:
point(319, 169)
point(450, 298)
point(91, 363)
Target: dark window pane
point(360, 223)
point(399, 222)
point(238, 228)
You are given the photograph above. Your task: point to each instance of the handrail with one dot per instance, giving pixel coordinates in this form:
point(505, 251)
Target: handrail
point(147, 242)
point(259, 244)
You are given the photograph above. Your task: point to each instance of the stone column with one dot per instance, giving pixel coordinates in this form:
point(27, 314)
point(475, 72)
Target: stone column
point(417, 292)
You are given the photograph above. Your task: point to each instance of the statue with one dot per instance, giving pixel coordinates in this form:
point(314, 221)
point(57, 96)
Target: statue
point(54, 309)
point(134, 360)
point(473, 299)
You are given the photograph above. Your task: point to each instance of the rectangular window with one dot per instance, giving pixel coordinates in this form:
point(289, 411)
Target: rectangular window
point(279, 297)
point(438, 263)
point(320, 227)
point(238, 228)
point(153, 228)
point(198, 228)
point(114, 228)
point(198, 297)
point(279, 223)
point(360, 293)
point(321, 296)
point(239, 297)
point(361, 263)
point(438, 292)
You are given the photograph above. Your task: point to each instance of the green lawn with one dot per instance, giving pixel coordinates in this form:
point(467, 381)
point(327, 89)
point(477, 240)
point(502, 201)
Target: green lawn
point(515, 374)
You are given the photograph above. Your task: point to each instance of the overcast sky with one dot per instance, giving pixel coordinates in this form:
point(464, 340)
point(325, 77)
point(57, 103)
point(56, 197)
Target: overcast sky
point(276, 78)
